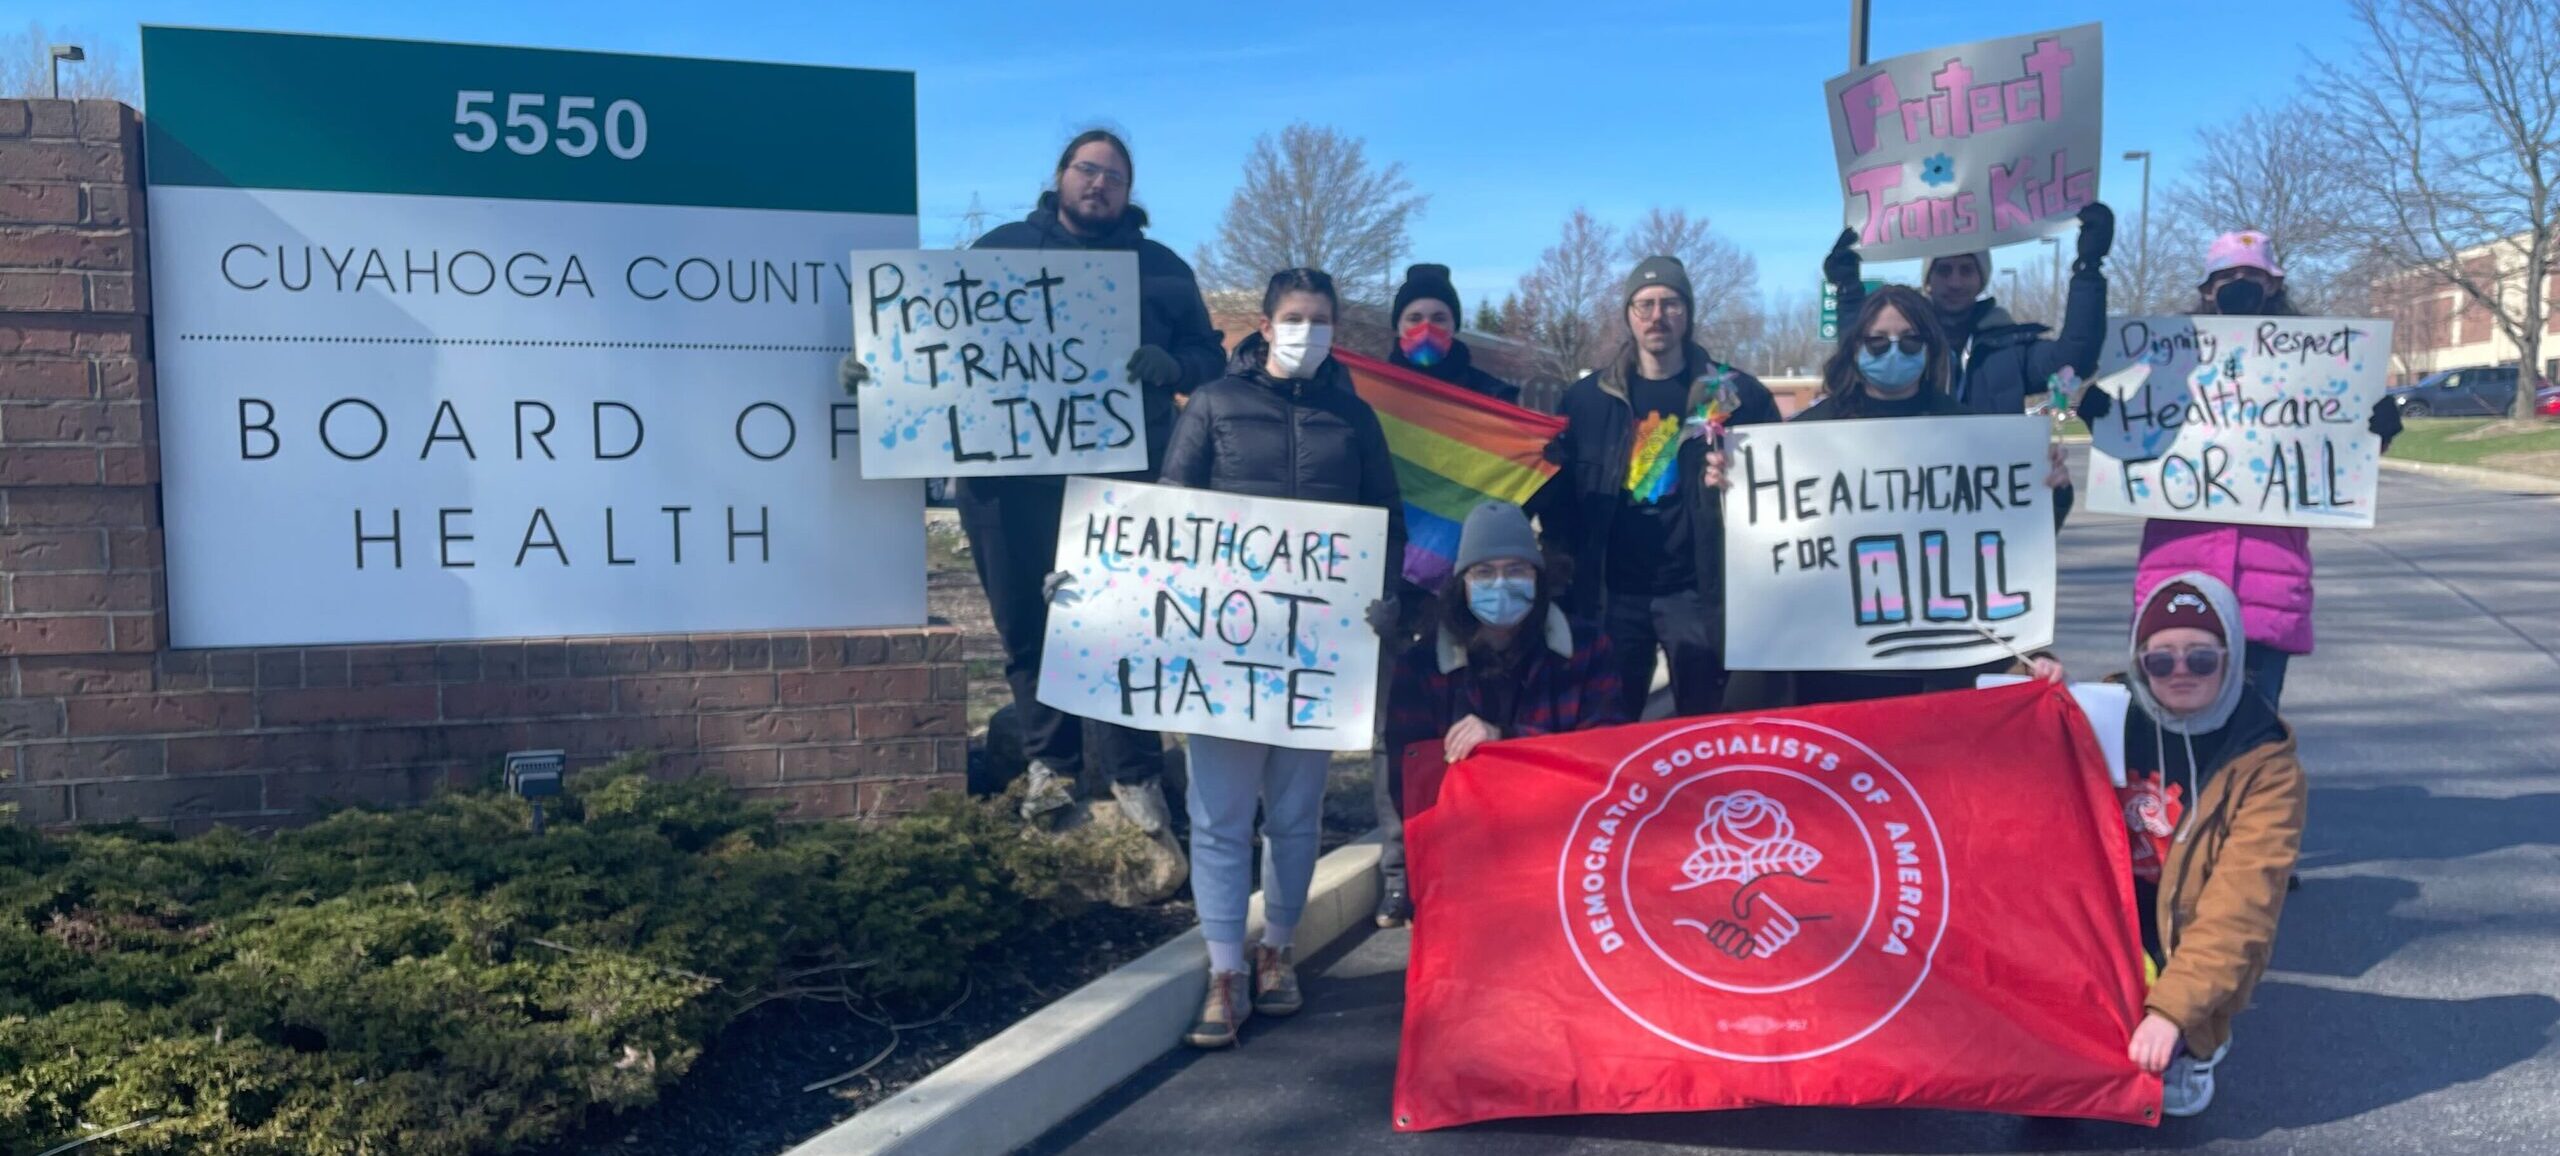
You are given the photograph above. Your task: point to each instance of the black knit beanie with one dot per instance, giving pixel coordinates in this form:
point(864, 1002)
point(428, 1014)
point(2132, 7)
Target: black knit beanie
point(1421, 281)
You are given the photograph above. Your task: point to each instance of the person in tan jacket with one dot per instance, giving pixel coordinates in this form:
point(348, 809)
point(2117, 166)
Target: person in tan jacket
point(2216, 799)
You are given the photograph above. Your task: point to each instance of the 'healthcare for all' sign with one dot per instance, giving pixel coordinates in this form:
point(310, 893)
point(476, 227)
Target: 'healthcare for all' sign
point(997, 361)
point(1921, 543)
point(464, 342)
point(2259, 420)
point(1968, 147)
point(1217, 614)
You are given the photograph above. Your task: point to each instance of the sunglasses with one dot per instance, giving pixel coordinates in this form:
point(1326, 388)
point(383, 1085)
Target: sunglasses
point(2201, 661)
point(1909, 343)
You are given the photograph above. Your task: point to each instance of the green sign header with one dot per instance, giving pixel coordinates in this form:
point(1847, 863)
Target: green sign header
point(336, 114)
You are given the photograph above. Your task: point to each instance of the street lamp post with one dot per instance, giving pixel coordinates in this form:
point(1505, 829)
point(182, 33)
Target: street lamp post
point(2142, 255)
point(59, 53)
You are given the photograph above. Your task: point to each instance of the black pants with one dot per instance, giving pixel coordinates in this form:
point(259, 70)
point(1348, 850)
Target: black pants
point(1637, 625)
point(1013, 538)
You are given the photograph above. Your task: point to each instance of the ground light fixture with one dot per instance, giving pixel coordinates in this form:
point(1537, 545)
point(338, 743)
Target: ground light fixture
point(534, 776)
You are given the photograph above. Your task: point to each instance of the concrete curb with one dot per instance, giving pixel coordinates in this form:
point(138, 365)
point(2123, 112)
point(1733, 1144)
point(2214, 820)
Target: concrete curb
point(1010, 1090)
point(2474, 475)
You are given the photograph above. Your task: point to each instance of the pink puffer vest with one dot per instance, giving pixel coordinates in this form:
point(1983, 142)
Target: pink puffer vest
point(2269, 567)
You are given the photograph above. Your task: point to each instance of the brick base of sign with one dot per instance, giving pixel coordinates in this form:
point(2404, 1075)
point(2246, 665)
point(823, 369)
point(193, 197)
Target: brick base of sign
point(100, 723)
point(836, 724)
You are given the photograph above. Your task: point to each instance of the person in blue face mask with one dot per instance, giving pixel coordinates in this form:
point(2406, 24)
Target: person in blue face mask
point(1893, 361)
point(1502, 660)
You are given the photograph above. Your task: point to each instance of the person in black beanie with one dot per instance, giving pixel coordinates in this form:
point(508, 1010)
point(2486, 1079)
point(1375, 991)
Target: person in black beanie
point(1627, 510)
point(1426, 318)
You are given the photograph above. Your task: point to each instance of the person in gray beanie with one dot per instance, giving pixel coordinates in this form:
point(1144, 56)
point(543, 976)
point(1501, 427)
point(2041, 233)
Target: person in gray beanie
point(1501, 660)
point(1625, 508)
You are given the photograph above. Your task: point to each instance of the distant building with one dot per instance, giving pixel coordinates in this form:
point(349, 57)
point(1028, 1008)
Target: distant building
point(2438, 327)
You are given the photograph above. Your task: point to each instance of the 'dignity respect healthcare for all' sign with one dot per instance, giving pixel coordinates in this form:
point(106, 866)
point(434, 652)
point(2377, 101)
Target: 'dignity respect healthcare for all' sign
point(2259, 420)
point(1210, 613)
point(993, 361)
point(1969, 147)
point(1921, 543)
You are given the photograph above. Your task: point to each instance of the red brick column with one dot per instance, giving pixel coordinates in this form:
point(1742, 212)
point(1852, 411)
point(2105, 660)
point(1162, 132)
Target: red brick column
point(100, 723)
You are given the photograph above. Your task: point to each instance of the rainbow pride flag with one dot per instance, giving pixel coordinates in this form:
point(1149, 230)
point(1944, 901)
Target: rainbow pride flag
point(1454, 448)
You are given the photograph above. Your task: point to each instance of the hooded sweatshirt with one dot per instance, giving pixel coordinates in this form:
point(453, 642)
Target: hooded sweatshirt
point(2216, 802)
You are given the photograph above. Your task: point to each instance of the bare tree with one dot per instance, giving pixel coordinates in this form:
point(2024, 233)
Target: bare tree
point(26, 66)
point(1725, 280)
point(2447, 122)
point(1565, 300)
point(2262, 171)
point(1310, 198)
point(1789, 342)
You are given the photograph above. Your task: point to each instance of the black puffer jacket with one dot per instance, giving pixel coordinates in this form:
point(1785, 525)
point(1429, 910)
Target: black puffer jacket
point(1171, 314)
point(1265, 437)
point(1459, 369)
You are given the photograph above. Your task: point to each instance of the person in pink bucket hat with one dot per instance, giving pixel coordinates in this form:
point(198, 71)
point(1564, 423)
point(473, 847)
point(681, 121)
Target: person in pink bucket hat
point(2269, 567)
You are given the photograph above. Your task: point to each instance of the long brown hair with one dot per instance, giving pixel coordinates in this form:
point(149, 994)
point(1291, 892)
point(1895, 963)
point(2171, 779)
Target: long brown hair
point(1844, 387)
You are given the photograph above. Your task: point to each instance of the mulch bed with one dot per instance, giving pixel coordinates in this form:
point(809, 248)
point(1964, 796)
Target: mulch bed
point(745, 1097)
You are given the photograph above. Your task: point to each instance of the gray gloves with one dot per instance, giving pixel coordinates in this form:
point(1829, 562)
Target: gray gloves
point(1154, 368)
point(851, 374)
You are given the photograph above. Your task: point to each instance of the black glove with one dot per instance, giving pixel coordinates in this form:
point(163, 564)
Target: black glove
point(1055, 582)
point(2385, 422)
point(1382, 617)
point(2097, 235)
point(1154, 368)
point(2094, 404)
point(1841, 267)
point(851, 373)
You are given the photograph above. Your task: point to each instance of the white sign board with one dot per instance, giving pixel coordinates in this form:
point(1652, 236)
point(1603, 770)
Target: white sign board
point(427, 381)
point(998, 361)
point(1971, 146)
point(1887, 544)
point(2259, 420)
point(1207, 613)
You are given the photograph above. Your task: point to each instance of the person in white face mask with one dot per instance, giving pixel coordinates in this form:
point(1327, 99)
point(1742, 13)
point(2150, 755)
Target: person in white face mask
point(1504, 661)
point(1283, 423)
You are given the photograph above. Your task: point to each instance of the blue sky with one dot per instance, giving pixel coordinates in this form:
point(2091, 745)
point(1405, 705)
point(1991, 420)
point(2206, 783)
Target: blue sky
point(1508, 114)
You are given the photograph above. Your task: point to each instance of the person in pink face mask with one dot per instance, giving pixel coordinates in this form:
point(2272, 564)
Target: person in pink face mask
point(1426, 318)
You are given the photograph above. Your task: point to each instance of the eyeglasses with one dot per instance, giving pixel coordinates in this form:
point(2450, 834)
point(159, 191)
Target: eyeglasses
point(1110, 178)
point(1908, 343)
point(1666, 306)
point(2201, 661)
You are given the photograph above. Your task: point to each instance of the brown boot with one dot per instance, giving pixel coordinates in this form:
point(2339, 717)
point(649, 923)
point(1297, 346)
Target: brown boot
point(1224, 1012)
point(1275, 982)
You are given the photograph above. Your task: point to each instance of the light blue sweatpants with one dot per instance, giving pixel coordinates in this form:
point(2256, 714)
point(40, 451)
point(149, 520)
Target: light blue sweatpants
point(1227, 779)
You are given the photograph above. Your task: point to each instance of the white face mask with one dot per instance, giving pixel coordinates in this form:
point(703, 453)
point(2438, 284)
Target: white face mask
point(1298, 348)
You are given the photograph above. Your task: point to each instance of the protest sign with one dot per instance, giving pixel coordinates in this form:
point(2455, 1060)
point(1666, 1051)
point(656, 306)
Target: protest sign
point(1887, 544)
point(2260, 420)
point(1209, 613)
point(995, 361)
point(1968, 147)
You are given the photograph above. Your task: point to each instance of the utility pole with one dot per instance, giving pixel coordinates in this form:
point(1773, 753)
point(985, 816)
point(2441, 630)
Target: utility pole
point(2142, 256)
point(1858, 33)
point(973, 224)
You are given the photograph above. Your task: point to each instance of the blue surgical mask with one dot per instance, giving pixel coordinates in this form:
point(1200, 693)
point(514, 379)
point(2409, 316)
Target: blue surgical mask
point(1501, 601)
point(1892, 369)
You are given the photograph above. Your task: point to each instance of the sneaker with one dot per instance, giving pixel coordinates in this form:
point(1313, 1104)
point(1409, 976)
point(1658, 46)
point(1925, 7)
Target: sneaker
point(1045, 790)
point(2187, 1087)
point(1275, 982)
point(1395, 906)
point(1142, 803)
point(1223, 1013)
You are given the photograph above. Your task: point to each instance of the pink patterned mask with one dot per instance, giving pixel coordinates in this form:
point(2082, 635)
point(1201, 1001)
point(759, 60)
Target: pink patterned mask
point(1424, 344)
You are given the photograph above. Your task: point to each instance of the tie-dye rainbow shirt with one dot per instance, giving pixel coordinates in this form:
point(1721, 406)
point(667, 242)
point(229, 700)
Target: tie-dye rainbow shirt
point(1653, 467)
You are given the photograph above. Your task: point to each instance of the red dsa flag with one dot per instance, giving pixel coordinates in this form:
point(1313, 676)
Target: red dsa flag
point(1917, 902)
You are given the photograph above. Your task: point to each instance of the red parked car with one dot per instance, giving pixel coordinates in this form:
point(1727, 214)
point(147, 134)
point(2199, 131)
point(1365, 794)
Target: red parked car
point(2546, 401)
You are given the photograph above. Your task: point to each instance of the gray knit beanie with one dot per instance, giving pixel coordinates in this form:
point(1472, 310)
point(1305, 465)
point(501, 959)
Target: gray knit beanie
point(1497, 530)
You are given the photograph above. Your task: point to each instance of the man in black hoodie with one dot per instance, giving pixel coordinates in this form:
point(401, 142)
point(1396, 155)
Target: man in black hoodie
point(1012, 522)
point(1626, 509)
point(1426, 318)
